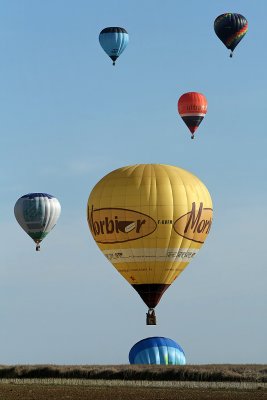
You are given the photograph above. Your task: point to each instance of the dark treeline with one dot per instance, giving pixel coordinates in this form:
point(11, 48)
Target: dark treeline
point(208, 373)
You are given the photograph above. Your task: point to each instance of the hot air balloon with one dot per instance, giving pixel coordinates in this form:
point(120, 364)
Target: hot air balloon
point(37, 214)
point(157, 350)
point(230, 29)
point(149, 220)
point(113, 41)
point(192, 107)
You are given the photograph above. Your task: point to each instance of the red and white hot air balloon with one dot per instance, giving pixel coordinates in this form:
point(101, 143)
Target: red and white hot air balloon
point(192, 107)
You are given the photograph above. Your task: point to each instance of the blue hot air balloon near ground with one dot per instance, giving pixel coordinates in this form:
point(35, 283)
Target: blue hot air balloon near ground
point(157, 350)
point(37, 214)
point(113, 41)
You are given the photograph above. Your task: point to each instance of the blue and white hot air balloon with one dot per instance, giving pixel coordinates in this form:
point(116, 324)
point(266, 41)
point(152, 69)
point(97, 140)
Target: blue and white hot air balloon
point(113, 41)
point(37, 214)
point(157, 350)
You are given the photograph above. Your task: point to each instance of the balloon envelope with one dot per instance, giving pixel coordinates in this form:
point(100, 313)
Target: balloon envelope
point(230, 29)
point(114, 41)
point(157, 350)
point(192, 107)
point(149, 220)
point(37, 214)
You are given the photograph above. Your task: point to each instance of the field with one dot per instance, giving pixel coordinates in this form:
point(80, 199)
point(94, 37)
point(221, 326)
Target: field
point(60, 392)
point(124, 382)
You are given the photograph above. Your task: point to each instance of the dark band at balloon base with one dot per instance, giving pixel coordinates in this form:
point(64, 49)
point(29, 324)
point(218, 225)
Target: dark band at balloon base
point(151, 293)
point(193, 122)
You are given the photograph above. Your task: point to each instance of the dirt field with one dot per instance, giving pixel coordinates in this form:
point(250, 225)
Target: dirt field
point(125, 382)
point(64, 392)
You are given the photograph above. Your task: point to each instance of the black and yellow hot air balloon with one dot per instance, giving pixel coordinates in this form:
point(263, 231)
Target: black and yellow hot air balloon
point(149, 220)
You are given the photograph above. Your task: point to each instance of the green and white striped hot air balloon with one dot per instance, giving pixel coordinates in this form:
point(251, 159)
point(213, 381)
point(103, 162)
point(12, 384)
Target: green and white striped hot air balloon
point(37, 214)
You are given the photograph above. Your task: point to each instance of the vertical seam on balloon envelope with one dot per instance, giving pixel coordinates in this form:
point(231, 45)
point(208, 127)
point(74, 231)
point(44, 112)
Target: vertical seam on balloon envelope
point(109, 43)
point(182, 185)
point(114, 189)
point(157, 185)
point(170, 351)
point(165, 350)
point(107, 202)
point(153, 172)
point(103, 187)
point(120, 39)
point(47, 213)
point(195, 182)
point(145, 168)
point(163, 272)
point(139, 206)
point(125, 41)
point(147, 354)
point(184, 239)
point(52, 212)
point(117, 42)
point(55, 209)
point(131, 242)
point(170, 237)
point(197, 191)
point(203, 193)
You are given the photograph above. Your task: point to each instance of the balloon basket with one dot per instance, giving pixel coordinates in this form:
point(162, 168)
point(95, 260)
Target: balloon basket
point(151, 317)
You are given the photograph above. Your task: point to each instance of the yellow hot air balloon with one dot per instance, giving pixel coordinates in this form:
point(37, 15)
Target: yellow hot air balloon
point(149, 220)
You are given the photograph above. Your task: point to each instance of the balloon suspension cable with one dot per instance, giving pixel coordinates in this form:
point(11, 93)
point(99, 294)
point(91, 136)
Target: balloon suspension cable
point(38, 247)
point(151, 317)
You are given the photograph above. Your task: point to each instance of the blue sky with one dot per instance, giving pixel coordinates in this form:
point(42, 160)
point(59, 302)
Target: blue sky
point(68, 117)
